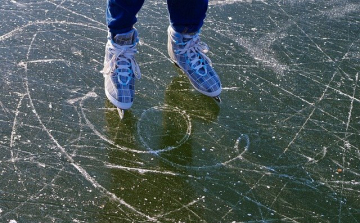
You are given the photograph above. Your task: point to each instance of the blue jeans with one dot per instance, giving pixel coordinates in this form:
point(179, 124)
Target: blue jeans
point(186, 16)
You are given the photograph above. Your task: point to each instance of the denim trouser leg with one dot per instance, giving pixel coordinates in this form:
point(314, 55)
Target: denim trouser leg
point(121, 15)
point(186, 16)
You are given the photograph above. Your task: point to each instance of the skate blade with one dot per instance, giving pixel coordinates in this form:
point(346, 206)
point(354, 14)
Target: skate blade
point(121, 113)
point(217, 98)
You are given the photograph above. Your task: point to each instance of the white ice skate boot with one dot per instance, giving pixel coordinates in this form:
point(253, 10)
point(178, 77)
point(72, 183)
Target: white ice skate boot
point(121, 69)
point(188, 53)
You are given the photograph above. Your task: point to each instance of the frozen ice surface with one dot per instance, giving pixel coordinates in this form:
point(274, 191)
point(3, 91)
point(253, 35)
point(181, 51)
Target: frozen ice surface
point(282, 146)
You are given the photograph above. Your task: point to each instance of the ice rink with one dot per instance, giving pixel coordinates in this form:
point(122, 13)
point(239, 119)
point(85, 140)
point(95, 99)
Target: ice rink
point(283, 146)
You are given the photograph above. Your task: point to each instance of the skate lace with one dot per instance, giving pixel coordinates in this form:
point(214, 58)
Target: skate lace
point(122, 62)
point(195, 53)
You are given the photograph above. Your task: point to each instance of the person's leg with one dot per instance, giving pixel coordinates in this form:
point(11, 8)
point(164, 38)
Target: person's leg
point(120, 67)
point(121, 15)
point(185, 47)
point(187, 16)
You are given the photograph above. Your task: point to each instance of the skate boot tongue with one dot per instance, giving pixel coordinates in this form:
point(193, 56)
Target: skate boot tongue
point(188, 36)
point(125, 38)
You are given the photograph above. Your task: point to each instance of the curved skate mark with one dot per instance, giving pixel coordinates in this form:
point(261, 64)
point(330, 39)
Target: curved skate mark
point(169, 109)
point(217, 165)
point(236, 147)
point(149, 150)
point(92, 127)
point(185, 138)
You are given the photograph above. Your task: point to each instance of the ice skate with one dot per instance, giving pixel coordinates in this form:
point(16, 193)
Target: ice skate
point(188, 53)
point(217, 98)
point(121, 69)
point(121, 112)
